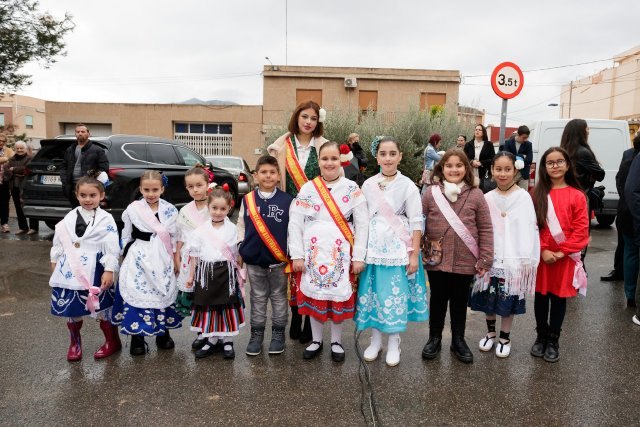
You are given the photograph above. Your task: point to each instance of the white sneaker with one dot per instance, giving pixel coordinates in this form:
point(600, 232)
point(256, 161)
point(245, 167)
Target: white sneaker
point(503, 349)
point(636, 320)
point(371, 353)
point(486, 343)
point(393, 350)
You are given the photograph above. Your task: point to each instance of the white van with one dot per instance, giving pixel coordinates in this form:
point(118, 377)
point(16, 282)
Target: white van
point(607, 138)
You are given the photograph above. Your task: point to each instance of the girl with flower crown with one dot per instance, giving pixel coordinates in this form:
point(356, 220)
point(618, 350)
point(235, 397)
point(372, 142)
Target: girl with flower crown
point(297, 154)
point(392, 289)
point(516, 248)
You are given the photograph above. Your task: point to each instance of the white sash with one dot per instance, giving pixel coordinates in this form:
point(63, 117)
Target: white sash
point(392, 219)
point(461, 230)
point(146, 214)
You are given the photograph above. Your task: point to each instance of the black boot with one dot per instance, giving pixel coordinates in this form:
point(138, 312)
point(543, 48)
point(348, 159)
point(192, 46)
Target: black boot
point(165, 342)
point(552, 352)
point(539, 347)
point(460, 348)
point(433, 345)
point(305, 336)
point(296, 324)
point(138, 345)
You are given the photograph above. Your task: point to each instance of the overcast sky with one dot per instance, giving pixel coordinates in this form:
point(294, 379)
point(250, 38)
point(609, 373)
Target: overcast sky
point(168, 51)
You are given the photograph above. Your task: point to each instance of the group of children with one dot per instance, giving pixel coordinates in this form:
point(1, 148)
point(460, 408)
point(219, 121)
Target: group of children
point(339, 251)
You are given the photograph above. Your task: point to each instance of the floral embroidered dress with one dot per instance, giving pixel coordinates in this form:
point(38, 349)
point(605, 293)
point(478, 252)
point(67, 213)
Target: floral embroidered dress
point(147, 289)
point(218, 308)
point(188, 220)
point(516, 247)
point(325, 290)
point(387, 297)
point(98, 248)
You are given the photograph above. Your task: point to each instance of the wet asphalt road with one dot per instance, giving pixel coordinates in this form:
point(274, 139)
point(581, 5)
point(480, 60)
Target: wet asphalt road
point(594, 383)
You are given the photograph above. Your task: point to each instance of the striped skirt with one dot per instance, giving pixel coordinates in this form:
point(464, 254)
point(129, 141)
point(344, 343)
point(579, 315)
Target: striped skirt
point(223, 321)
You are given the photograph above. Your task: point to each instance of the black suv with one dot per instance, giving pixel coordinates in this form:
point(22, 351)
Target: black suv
point(129, 156)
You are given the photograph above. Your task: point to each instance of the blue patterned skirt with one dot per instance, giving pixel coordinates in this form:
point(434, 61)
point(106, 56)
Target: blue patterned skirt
point(70, 303)
point(495, 301)
point(388, 300)
point(144, 321)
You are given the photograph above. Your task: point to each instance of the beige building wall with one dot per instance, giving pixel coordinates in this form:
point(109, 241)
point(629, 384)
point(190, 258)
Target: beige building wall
point(613, 93)
point(397, 89)
point(158, 120)
point(17, 110)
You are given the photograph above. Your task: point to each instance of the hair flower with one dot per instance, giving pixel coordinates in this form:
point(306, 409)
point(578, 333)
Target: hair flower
point(322, 115)
point(211, 186)
point(519, 163)
point(374, 145)
point(345, 155)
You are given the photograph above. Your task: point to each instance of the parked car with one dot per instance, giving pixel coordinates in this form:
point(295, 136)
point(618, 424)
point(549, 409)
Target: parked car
point(607, 138)
point(129, 156)
point(238, 168)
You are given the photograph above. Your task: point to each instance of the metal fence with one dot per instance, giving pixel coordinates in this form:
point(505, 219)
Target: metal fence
point(206, 144)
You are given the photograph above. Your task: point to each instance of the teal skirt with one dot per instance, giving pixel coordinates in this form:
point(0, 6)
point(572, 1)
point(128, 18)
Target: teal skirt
point(388, 299)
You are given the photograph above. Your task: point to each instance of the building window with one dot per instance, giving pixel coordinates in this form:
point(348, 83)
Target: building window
point(208, 139)
point(428, 100)
point(367, 101)
point(1, 119)
point(303, 95)
point(28, 122)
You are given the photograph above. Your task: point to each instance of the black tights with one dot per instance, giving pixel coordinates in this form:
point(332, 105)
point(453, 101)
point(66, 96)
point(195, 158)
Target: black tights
point(448, 289)
point(549, 319)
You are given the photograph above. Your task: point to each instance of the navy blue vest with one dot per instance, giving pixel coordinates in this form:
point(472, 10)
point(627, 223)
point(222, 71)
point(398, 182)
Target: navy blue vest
point(275, 213)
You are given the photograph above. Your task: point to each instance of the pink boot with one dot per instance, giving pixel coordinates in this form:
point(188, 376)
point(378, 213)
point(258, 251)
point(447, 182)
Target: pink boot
point(112, 342)
point(75, 347)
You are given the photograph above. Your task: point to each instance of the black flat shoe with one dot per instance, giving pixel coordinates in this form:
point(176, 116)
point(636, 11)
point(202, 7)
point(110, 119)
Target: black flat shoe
point(310, 354)
point(198, 343)
point(460, 348)
point(337, 357)
point(208, 349)
point(432, 347)
point(228, 354)
point(165, 342)
point(138, 346)
point(613, 276)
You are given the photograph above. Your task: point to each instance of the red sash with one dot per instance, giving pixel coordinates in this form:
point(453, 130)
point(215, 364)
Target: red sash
point(334, 210)
point(293, 166)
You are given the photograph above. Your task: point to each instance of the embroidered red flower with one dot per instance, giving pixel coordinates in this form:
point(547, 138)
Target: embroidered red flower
point(314, 239)
point(323, 269)
point(317, 208)
point(345, 199)
point(338, 242)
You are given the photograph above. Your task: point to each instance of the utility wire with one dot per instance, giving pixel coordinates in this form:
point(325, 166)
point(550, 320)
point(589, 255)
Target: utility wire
point(544, 69)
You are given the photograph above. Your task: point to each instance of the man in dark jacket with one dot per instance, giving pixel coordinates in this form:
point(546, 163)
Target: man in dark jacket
point(79, 159)
point(521, 146)
point(632, 199)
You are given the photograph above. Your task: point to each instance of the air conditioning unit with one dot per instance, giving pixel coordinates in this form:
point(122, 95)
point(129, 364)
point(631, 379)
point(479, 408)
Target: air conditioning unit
point(350, 82)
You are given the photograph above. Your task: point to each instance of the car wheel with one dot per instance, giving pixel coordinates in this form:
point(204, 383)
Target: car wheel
point(51, 223)
point(605, 220)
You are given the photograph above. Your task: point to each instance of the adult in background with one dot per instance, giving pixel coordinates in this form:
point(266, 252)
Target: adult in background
point(360, 158)
point(480, 153)
point(521, 146)
point(5, 154)
point(14, 176)
point(624, 224)
point(297, 154)
point(575, 141)
point(618, 258)
point(431, 157)
point(79, 159)
point(461, 141)
point(632, 198)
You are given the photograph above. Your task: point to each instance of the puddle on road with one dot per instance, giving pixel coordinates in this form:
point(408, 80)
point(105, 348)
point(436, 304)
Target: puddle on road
point(23, 284)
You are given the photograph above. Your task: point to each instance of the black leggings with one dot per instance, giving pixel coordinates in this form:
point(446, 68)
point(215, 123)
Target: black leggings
point(452, 289)
point(549, 319)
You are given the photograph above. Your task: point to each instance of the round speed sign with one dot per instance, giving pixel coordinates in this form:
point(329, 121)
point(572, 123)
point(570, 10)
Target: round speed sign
point(507, 80)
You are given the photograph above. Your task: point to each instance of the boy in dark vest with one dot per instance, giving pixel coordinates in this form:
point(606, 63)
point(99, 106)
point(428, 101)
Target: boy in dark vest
point(262, 236)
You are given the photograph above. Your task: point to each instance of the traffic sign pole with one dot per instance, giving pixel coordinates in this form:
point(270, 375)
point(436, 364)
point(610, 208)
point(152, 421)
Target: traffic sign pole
point(503, 121)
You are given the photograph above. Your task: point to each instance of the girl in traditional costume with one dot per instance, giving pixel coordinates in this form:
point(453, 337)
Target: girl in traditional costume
point(561, 211)
point(191, 216)
point(218, 307)
point(297, 154)
point(147, 290)
point(392, 289)
point(516, 246)
point(84, 258)
point(327, 243)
